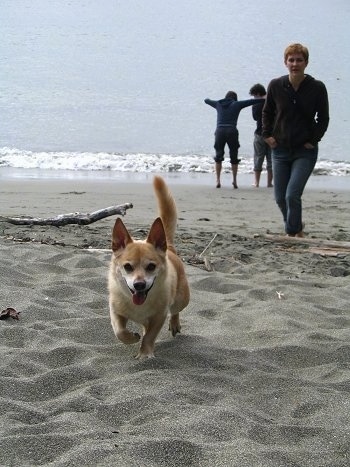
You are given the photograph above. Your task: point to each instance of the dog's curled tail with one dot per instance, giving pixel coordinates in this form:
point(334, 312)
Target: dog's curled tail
point(166, 208)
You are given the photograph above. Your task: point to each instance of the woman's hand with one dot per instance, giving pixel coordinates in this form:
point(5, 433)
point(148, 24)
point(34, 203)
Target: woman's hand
point(271, 142)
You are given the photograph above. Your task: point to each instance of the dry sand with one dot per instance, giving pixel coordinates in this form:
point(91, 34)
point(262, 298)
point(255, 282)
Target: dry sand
point(256, 378)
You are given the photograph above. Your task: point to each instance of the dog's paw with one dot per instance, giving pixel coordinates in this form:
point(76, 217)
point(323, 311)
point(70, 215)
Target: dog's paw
point(128, 337)
point(174, 330)
point(143, 356)
point(146, 350)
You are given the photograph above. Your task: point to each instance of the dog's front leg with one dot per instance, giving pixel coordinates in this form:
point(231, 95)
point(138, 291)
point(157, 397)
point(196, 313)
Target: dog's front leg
point(174, 324)
point(152, 329)
point(123, 334)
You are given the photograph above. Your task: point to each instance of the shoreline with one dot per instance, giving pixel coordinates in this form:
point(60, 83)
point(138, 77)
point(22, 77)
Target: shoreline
point(316, 182)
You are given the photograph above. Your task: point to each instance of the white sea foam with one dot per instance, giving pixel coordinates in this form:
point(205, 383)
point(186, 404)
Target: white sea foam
point(138, 162)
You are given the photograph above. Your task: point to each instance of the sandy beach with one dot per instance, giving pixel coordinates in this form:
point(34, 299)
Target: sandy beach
point(259, 375)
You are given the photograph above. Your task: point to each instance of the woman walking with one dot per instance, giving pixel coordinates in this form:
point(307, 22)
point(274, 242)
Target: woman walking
point(295, 118)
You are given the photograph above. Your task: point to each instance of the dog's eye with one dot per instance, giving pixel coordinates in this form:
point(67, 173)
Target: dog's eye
point(151, 267)
point(128, 268)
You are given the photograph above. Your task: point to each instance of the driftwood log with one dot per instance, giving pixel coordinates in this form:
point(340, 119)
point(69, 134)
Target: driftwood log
point(308, 241)
point(71, 218)
point(319, 246)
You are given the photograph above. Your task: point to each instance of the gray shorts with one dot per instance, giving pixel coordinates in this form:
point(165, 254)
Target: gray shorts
point(261, 150)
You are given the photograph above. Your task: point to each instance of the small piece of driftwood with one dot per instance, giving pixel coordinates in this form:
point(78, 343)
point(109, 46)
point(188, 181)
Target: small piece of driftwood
point(208, 246)
point(71, 218)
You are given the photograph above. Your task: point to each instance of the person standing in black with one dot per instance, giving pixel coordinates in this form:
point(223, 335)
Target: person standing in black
point(261, 149)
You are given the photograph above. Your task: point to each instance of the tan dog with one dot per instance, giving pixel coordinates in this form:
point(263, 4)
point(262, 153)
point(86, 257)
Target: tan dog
point(147, 279)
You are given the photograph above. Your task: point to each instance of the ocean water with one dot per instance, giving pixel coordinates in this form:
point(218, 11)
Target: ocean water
point(106, 85)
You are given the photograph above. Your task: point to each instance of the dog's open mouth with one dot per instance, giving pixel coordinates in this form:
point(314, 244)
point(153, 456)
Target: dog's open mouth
point(139, 298)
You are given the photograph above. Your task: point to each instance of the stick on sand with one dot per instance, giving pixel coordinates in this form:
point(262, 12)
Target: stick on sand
point(72, 218)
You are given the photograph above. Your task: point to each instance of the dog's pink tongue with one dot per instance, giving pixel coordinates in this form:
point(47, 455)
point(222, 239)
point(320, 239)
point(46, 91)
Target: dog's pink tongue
point(138, 298)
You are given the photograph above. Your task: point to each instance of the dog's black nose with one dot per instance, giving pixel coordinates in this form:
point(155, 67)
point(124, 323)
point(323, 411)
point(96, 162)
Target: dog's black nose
point(139, 286)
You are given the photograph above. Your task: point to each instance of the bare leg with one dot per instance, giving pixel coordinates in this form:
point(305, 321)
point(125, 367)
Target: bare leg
point(234, 175)
point(269, 178)
point(257, 174)
point(218, 166)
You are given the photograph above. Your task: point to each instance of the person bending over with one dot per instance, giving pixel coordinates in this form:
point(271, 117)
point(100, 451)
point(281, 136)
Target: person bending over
point(226, 132)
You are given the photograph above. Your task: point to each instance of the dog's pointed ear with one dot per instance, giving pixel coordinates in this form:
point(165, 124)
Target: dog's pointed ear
point(120, 236)
point(157, 236)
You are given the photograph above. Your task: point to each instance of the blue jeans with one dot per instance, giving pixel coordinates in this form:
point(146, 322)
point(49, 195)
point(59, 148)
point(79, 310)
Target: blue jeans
point(292, 169)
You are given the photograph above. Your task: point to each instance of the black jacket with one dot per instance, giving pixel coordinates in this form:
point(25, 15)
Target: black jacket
point(292, 117)
point(257, 115)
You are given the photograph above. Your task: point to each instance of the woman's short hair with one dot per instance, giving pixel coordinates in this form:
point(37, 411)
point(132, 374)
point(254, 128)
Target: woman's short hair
point(296, 49)
point(231, 95)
